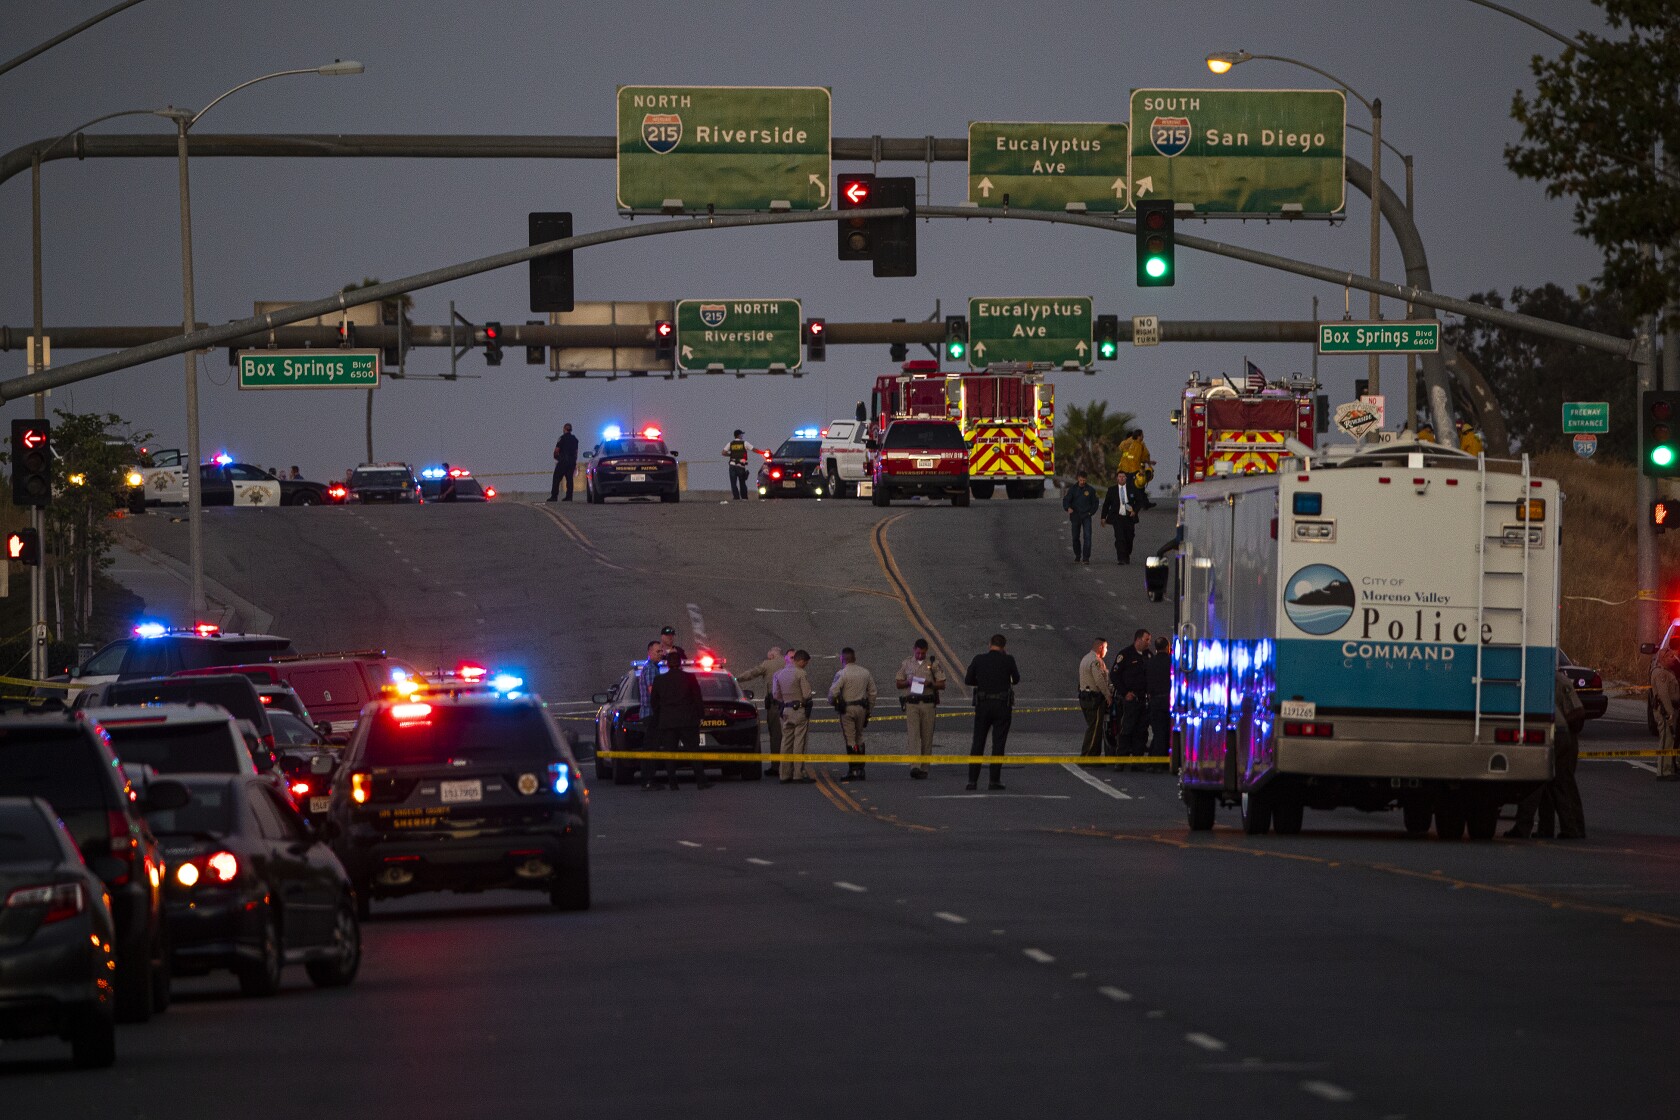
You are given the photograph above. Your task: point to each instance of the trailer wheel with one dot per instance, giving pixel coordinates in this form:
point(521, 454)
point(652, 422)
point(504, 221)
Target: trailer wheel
point(1288, 814)
point(1416, 814)
point(1482, 818)
point(1449, 818)
point(1199, 809)
point(1256, 813)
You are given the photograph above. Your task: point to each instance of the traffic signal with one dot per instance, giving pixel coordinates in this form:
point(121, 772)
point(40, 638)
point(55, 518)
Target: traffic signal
point(31, 463)
point(551, 276)
point(1659, 429)
point(535, 355)
point(389, 314)
point(956, 338)
point(853, 192)
point(347, 335)
point(899, 352)
point(1108, 337)
point(816, 340)
point(24, 546)
point(492, 344)
point(1665, 514)
point(1155, 267)
point(664, 340)
point(895, 238)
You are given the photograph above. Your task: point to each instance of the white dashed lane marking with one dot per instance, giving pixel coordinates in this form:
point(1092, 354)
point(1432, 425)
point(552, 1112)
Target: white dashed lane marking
point(759, 862)
point(1205, 1041)
point(947, 916)
point(1118, 995)
point(689, 844)
point(1326, 1091)
point(853, 887)
point(1038, 955)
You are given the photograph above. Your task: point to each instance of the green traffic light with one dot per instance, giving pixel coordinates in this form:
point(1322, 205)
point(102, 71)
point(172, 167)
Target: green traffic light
point(1662, 456)
point(1106, 350)
point(1156, 267)
point(954, 349)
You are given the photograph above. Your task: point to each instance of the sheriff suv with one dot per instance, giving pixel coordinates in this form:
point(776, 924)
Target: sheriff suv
point(926, 457)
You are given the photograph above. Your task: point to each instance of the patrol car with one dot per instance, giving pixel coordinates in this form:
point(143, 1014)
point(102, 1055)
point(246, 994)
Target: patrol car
point(382, 482)
point(154, 650)
point(795, 470)
point(730, 722)
point(223, 482)
point(627, 466)
point(452, 484)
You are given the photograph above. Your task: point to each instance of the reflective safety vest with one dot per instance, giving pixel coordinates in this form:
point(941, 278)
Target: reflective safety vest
point(738, 452)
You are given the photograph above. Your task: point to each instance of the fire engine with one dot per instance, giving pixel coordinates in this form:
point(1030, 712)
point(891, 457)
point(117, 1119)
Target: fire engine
point(1244, 424)
point(1007, 414)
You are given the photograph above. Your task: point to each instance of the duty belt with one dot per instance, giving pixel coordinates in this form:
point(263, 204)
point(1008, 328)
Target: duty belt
point(919, 699)
point(993, 695)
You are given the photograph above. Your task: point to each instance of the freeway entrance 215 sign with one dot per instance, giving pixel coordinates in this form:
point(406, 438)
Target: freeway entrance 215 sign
point(1586, 417)
point(1053, 329)
point(1422, 336)
point(731, 148)
point(1047, 166)
point(738, 333)
point(1240, 151)
point(309, 369)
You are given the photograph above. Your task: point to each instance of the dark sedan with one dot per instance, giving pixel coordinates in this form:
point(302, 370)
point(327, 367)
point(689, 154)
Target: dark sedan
point(240, 484)
point(639, 465)
point(730, 723)
point(251, 889)
point(382, 482)
point(794, 471)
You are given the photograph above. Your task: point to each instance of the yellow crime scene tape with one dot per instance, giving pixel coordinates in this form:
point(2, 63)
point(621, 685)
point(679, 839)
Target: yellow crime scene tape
point(25, 682)
point(892, 759)
point(1630, 754)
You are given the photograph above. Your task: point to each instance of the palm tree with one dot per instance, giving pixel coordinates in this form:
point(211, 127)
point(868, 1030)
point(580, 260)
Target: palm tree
point(1088, 439)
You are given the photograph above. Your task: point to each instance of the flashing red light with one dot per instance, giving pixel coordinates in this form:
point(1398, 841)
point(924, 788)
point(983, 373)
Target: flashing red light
point(406, 714)
point(856, 192)
point(664, 328)
point(707, 661)
point(266, 699)
point(299, 789)
point(776, 473)
point(469, 671)
point(489, 492)
point(337, 490)
point(651, 432)
point(205, 629)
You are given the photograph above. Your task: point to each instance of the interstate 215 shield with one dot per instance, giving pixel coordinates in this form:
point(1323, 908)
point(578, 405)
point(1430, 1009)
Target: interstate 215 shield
point(661, 132)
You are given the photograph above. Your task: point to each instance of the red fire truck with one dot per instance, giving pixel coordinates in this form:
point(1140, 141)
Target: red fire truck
point(1007, 414)
point(1224, 420)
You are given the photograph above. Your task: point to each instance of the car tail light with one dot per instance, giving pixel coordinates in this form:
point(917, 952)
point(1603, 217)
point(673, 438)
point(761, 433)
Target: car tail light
point(223, 867)
point(489, 492)
point(1512, 735)
point(361, 786)
point(777, 473)
point(1310, 730)
point(123, 845)
point(300, 788)
point(62, 900)
point(266, 699)
point(411, 715)
point(1594, 681)
point(560, 777)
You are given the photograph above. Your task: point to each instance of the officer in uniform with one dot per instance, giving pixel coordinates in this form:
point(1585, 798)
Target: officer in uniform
point(993, 677)
point(1096, 694)
point(791, 689)
point(1131, 685)
point(1157, 674)
point(766, 671)
point(676, 709)
point(1081, 503)
point(919, 682)
point(565, 464)
point(853, 696)
point(1665, 702)
point(737, 451)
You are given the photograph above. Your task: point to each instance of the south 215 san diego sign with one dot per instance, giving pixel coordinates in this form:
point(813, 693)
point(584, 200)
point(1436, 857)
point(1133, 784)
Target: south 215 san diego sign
point(1241, 151)
point(726, 147)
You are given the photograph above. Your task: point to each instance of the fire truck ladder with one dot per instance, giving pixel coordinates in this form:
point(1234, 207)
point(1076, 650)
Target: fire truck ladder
point(1498, 583)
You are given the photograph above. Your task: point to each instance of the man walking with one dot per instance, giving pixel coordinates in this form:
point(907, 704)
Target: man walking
point(1095, 696)
point(853, 696)
point(676, 708)
point(736, 451)
point(993, 677)
point(1131, 684)
point(791, 689)
point(1119, 509)
point(1157, 675)
point(766, 671)
point(565, 464)
point(1081, 503)
point(919, 682)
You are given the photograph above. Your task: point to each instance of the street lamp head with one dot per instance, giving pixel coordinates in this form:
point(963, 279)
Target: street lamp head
point(337, 68)
point(1220, 62)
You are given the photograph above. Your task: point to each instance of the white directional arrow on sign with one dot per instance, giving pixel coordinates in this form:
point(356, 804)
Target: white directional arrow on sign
point(1119, 186)
point(1081, 347)
point(979, 349)
point(688, 351)
point(820, 183)
point(1143, 186)
point(985, 188)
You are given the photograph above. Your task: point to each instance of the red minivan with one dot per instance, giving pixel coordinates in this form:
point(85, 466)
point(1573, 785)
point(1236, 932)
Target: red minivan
point(333, 686)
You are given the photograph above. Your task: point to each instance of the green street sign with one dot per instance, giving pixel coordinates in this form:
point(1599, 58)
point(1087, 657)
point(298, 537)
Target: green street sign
point(1047, 166)
point(309, 369)
point(1379, 337)
point(1586, 417)
point(1053, 329)
point(1236, 151)
point(739, 333)
point(727, 147)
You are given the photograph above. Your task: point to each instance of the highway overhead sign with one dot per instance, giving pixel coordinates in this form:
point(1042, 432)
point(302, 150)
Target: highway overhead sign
point(1047, 166)
point(1055, 329)
point(1586, 417)
point(1359, 337)
point(739, 333)
point(1235, 151)
point(309, 369)
point(728, 147)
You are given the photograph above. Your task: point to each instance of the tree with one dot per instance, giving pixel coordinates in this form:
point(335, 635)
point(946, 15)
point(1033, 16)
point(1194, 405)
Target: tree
point(1532, 376)
point(1088, 439)
point(1592, 131)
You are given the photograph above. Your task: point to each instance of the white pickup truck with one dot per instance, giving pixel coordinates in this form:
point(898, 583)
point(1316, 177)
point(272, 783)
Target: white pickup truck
point(843, 456)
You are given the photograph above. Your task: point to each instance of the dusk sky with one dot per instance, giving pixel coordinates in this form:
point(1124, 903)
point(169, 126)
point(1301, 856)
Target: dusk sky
point(273, 229)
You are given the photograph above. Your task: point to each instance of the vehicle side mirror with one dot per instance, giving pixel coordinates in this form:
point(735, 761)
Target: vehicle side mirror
point(321, 764)
point(589, 454)
point(324, 729)
point(164, 794)
point(601, 698)
point(747, 693)
point(1647, 648)
point(674, 454)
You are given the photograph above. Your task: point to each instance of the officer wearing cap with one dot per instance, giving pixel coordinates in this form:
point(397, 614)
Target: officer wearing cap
point(791, 689)
point(668, 644)
point(736, 452)
point(919, 682)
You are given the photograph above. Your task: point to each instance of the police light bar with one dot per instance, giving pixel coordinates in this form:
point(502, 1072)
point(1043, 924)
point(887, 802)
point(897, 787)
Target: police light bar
point(432, 472)
point(150, 630)
point(612, 431)
point(806, 433)
point(469, 671)
point(205, 629)
point(223, 459)
point(651, 432)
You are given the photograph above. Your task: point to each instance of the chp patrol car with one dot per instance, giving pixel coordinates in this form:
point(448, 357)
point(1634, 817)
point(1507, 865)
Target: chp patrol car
point(223, 482)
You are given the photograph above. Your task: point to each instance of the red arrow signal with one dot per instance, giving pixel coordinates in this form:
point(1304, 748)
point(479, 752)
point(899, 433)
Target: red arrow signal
point(857, 192)
point(34, 438)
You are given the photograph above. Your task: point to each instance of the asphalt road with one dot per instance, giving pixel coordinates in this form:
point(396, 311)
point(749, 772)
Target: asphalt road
point(904, 948)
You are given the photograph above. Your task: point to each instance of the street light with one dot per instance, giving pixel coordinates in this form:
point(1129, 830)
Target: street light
point(1221, 62)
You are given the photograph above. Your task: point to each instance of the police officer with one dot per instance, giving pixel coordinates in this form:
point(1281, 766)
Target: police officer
point(1081, 503)
point(919, 681)
point(1119, 509)
point(1558, 802)
point(853, 696)
point(1157, 676)
point(993, 677)
point(1665, 702)
point(1095, 696)
point(766, 671)
point(677, 707)
point(736, 451)
point(565, 463)
point(791, 689)
point(646, 673)
point(1131, 685)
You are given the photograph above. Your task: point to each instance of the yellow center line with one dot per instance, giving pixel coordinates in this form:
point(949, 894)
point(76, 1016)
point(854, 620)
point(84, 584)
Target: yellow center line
point(907, 600)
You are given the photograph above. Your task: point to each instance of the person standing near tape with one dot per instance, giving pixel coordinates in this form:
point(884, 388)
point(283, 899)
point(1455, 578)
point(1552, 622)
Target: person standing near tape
point(1157, 674)
point(1131, 687)
point(791, 689)
point(1095, 696)
point(736, 451)
point(919, 682)
point(766, 671)
point(853, 696)
point(565, 464)
point(993, 676)
point(1665, 705)
point(677, 708)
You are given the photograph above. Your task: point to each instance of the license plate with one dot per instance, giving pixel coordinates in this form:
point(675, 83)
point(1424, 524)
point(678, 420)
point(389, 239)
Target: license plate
point(468, 790)
point(703, 740)
point(1298, 709)
point(789, 485)
point(638, 478)
point(319, 804)
point(924, 464)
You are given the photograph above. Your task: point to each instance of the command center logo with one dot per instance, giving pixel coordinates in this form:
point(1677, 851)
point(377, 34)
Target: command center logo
point(713, 314)
point(661, 132)
point(1170, 135)
point(1319, 599)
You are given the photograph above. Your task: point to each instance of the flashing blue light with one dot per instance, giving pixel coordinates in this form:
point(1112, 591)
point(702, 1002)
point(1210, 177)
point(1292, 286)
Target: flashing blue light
point(505, 682)
point(150, 630)
point(398, 675)
point(432, 472)
point(562, 774)
point(612, 431)
point(223, 459)
point(805, 433)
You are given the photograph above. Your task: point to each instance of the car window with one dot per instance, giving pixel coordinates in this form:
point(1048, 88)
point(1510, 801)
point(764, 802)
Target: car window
point(238, 695)
point(196, 655)
point(1668, 638)
point(626, 687)
point(799, 449)
point(107, 661)
point(934, 437)
point(718, 686)
point(178, 748)
point(149, 657)
point(239, 472)
point(62, 767)
point(841, 431)
point(290, 731)
point(290, 822)
point(386, 477)
point(26, 836)
point(268, 817)
point(211, 809)
point(633, 447)
point(404, 738)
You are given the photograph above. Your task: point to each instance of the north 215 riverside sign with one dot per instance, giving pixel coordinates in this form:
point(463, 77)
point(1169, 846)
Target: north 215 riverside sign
point(729, 148)
point(1241, 151)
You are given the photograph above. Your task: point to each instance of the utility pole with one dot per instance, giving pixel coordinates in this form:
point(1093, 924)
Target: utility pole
point(38, 573)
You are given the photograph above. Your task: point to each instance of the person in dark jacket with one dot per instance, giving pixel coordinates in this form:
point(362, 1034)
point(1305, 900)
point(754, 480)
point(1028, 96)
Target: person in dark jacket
point(1157, 675)
point(676, 707)
point(993, 676)
point(565, 464)
point(1119, 509)
point(1131, 690)
point(1081, 503)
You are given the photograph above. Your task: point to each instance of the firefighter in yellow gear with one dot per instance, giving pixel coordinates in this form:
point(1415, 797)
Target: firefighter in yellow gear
point(1468, 441)
point(1426, 434)
point(1136, 464)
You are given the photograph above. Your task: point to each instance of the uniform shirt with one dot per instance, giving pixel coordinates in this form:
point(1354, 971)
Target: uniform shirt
point(791, 685)
point(933, 678)
point(853, 684)
point(739, 452)
point(765, 671)
point(993, 672)
point(1129, 675)
point(1082, 500)
point(1093, 676)
point(566, 450)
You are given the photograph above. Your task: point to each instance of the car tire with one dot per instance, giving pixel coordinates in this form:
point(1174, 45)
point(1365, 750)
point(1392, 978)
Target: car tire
point(340, 970)
point(93, 1038)
point(134, 989)
point(260, 978)
point(603, 769)
point(305, 498)
point(1449, 817)
point(1199, 810)
point(1256, 812)
point(570, 891)
point(960, 499)
point(984, 490)
point(1415, 814)
point(1288, 814)
point(673, 496)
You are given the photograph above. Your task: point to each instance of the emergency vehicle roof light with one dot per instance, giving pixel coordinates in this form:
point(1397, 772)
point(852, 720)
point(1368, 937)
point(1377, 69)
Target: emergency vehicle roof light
point(651, 432)
point(150, 630)
point(223, 459)
point(612, 431)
